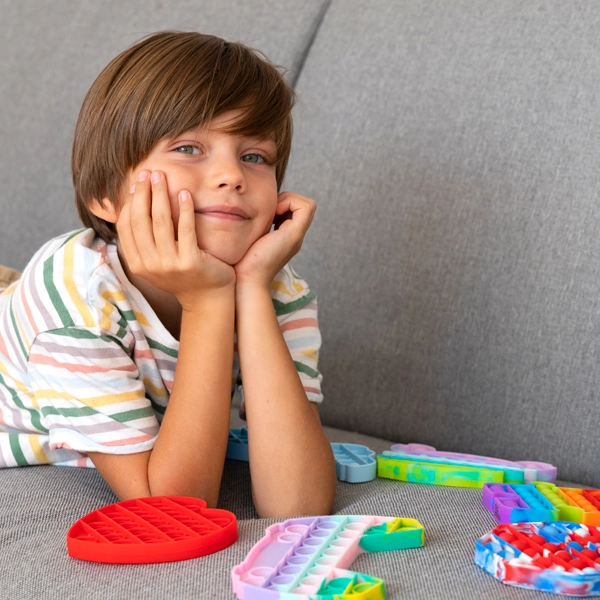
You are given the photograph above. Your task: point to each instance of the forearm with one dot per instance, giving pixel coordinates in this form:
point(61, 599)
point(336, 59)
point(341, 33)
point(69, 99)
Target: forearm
point(291, 461)
point(190, 449)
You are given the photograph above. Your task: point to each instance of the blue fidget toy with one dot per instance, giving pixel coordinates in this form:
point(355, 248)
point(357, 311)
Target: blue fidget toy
point(237, 444)
point(354, 463)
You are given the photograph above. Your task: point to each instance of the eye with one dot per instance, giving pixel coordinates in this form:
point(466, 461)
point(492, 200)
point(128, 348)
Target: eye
point(253, 158)
point(187, 149)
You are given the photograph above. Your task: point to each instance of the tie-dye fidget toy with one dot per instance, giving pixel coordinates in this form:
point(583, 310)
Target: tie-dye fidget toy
point(557, 557)
point(541, 502)
point(151, 530)
point(354, 463)
point(418, 463)
point(306, 558)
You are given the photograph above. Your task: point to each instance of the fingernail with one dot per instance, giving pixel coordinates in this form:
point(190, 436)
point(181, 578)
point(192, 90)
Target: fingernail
point(156, 176)
point(132, 189)
point(184, 195)
point(142, 175)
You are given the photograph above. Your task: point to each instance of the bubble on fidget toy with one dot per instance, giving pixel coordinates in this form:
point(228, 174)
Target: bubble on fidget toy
point(558, 557)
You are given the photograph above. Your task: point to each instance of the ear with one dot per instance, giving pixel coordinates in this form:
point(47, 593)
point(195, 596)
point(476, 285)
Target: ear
point(104, 209)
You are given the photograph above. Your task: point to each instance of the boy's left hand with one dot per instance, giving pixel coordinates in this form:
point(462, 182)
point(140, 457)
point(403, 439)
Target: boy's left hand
point(270, 253)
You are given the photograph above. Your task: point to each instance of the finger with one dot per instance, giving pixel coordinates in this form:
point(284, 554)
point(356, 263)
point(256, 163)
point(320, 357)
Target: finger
point(186, 227)
point(141, 220)
point(162, 220)
point(125, 232)
point(293, 209)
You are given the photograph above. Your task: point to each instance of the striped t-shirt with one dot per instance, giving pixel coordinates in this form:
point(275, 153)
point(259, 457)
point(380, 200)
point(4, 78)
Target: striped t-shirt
point(85, 364)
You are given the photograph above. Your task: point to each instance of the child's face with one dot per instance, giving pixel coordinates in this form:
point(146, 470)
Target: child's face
point(231, 180)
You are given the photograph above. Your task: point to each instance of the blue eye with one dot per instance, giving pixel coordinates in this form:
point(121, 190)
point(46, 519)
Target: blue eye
point(187, 149)
point(253, 158)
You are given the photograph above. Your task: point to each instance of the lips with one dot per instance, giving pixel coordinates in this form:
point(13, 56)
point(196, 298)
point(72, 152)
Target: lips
point(222, 211)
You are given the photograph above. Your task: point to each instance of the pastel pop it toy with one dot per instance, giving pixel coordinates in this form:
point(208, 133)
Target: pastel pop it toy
point(307, 558)
point(354, 463)
point(541, 501)
point(418, 463)
point(151, 530)
point(557, 557)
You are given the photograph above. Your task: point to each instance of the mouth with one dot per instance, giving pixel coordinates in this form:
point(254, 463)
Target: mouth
point(222, 211)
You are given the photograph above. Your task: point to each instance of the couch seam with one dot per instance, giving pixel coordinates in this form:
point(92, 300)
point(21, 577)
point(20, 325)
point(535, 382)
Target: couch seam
point(320, 18)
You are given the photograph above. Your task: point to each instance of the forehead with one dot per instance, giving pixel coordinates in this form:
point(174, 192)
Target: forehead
point(230, 123)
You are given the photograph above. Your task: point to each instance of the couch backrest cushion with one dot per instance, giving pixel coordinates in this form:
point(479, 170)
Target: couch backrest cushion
point(453, 148)
point(52, 50)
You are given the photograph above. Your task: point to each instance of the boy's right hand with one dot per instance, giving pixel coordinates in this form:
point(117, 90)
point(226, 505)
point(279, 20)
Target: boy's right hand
point(152, 251)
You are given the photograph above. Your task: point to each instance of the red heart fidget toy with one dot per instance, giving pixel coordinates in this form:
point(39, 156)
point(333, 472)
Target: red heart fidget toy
point(151, 530)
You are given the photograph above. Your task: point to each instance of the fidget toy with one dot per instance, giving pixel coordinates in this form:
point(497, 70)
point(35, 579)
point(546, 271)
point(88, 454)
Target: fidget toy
point(307, 558)
point(541, 502)
point(237, 444)
point(557, 557)
point(151, 530)
point(418, 463)
point(354, 463)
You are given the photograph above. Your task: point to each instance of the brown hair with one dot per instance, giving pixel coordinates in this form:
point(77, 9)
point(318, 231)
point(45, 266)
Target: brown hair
point(166, 84)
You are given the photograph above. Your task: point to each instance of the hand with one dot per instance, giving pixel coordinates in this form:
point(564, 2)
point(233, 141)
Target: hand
point(153, 252)
point(270, 253)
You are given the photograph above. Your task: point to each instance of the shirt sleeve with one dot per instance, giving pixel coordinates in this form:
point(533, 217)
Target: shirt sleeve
point(296, 309)
point(89, 393)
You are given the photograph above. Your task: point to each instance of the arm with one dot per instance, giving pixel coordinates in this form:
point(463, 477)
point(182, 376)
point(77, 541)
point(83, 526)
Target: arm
point(291, 461)
point(189, 453)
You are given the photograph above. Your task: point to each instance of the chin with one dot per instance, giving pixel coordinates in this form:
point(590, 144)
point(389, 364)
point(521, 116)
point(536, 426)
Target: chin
point(230, 256)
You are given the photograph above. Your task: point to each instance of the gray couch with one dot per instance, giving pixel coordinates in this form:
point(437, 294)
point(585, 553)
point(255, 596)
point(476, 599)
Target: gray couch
point(453, 147)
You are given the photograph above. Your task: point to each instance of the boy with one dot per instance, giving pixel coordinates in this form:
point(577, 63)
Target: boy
point(179, 152)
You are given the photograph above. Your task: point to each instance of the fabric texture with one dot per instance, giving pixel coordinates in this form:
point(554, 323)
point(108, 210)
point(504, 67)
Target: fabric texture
point(453, 148)
point(86, 365)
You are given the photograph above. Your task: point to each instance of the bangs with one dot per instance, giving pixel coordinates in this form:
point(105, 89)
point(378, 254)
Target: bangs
point(208, 79)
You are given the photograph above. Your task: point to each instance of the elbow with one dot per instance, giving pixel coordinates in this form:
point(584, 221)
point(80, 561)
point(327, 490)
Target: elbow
point(304, 503)
point(167, 486)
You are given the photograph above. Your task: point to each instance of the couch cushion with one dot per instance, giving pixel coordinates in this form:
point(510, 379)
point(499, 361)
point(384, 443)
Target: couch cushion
point(51, 52)
point(453, 148)
point(39, 504)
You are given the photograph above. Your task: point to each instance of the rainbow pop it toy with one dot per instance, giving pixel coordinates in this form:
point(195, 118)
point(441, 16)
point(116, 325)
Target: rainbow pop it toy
point(557, 557)
point(151, 530)
point(418, 463)
point(307, 558)
point(541, 502)
point(354, 463)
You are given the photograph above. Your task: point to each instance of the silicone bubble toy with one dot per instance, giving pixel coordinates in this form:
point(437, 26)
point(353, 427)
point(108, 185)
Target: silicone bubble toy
point(307, 558)
point(418, 463)
point(354, 463)
point(557, 557)
point(237, 444)
point(541, 502)
point(151, 530)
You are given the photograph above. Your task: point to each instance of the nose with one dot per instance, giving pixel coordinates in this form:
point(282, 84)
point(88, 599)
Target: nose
point(227, 174)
